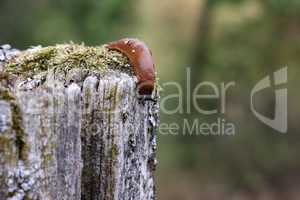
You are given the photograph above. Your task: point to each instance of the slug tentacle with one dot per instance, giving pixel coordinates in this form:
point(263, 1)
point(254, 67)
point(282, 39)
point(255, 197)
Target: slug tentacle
point(140, 57)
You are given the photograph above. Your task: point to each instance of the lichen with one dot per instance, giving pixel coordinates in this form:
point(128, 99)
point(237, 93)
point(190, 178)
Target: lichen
point(66, 57)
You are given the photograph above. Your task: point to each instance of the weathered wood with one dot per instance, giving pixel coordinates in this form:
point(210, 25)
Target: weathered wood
point(75, 132)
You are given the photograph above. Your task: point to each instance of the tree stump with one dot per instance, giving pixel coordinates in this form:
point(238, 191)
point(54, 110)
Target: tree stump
point(72, 126)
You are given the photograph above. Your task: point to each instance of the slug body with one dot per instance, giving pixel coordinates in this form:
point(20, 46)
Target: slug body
point(140, 57)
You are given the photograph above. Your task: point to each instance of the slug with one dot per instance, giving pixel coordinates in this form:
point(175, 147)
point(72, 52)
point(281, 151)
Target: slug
point(140, 57)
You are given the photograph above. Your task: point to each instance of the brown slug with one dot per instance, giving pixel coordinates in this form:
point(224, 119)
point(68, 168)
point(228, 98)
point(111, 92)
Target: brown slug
point(140, 57)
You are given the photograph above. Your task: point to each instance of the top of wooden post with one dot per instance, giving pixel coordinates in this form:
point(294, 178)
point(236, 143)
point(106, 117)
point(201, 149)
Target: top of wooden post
point(66, 57)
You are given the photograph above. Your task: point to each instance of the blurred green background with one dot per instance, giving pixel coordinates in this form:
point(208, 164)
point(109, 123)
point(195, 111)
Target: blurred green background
point(220, 41)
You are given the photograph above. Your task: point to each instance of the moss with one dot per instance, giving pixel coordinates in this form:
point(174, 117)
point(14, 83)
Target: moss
point(66, 57)
point(6, 95)
point(6, 150)
point(114, 152)
point(17, 125)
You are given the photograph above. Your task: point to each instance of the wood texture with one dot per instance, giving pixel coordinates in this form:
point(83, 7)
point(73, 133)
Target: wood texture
point(76, 134)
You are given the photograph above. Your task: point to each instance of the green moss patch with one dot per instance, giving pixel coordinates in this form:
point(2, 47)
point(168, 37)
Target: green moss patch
point(17, 124)
point(66, 57)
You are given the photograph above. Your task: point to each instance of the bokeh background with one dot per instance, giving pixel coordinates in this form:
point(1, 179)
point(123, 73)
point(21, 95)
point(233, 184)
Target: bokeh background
point(220, 41)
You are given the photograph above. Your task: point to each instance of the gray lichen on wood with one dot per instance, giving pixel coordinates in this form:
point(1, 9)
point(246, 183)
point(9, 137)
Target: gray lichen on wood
point(72, 127)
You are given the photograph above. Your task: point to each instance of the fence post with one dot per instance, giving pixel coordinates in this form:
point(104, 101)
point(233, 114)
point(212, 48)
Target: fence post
point(72, 127)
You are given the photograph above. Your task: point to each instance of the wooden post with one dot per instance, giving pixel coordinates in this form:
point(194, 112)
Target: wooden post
point(72, 127)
